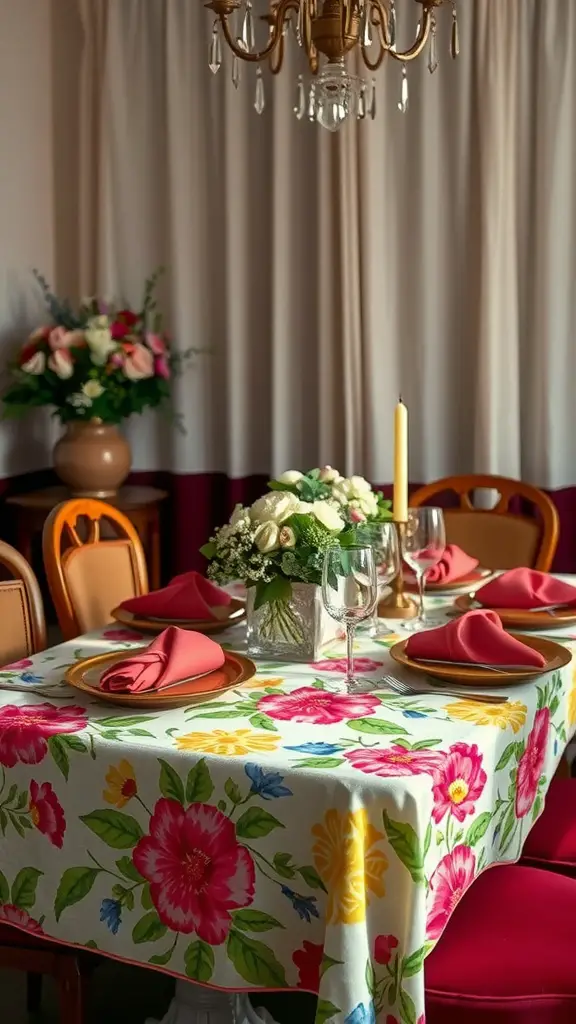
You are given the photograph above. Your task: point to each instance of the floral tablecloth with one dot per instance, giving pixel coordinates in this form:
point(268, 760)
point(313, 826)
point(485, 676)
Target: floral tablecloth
point(284, 836)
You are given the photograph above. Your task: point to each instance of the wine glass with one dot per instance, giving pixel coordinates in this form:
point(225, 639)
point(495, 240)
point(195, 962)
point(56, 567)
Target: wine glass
point(383, 538)
point(350, 593)
point(423, 544)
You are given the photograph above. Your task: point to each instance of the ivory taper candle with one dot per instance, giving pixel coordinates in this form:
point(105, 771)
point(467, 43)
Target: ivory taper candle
point(400, 502)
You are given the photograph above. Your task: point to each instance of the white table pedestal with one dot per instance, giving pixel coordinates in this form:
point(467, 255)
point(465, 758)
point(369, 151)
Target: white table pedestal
point(193, 1004)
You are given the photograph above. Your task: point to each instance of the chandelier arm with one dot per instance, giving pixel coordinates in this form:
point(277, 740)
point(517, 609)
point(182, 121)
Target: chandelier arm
point(255, 58)
point(420, 42)
point(380, 21)
point(373, 65)
point(277, 55)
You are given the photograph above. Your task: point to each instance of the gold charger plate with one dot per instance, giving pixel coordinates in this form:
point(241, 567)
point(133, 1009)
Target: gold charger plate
point(471, 579)
point(520, 618)
point(236, 612)
point(85, 675)
point(556, 656)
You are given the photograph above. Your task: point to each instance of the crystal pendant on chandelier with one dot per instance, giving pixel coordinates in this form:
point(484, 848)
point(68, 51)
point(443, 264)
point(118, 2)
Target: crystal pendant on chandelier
point(372, 100)
point(403, 103)
point(337, 96)
point(312, 102)
point(433, 50)
point(366, 28)
point(235, 72)
point(248, 37)
point(215, 58)
point(259, 99)
point(455, 35)
point(392, 25)
point(300, 22)
point(362, 103)
point(300, 105)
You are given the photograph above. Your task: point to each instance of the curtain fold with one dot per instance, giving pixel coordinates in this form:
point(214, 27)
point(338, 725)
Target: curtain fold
point(430, 253)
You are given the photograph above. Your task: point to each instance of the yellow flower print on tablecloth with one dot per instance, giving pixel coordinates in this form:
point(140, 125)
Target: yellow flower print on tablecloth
point(259, 684)
point(228, 744)
point(349, 864)
point(512, 714)
point(572, 701)
point(121, 781)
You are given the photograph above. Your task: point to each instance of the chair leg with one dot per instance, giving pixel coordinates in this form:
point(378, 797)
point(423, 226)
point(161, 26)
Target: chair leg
point(33, 992)
point(70, 992)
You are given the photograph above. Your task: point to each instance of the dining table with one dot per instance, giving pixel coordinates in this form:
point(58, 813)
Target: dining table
point(285, 835)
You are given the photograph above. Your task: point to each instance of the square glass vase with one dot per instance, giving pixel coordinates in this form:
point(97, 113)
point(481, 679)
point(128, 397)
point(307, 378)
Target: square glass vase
point(294, 630)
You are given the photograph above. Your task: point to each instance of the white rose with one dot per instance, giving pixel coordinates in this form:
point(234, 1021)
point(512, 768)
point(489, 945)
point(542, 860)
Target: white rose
point(275, 507)
point(61, 363)
point(239, 516)
point(305, 508)
point(99, 340)
point(92, 389)
point(351, 488)
point(267, 537)
point(359, 485)
point(287, 537)
point(368, 504)
point(328, 516)
point(35, 365)
point(291, 476)
point(329, 475)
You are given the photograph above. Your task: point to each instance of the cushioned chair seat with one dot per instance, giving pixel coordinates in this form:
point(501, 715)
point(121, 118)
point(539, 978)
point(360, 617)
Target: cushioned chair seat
point(552, 841)
point(508, 954)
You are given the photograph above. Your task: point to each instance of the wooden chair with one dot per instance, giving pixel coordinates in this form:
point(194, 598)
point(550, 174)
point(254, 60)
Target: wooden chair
point(88, 573)
point(23, 634)
point(498, 538)
point(21, 609)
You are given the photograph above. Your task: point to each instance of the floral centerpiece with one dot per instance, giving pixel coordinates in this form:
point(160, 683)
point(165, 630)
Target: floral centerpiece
point(95, 366)
point(277, 548)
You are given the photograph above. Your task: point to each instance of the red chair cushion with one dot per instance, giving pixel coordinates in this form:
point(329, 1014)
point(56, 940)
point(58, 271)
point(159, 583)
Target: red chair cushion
point(552, 841)
point(508, 953)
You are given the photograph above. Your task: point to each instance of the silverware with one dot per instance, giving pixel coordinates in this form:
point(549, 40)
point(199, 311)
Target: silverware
point(401, 687)
point(502, 669)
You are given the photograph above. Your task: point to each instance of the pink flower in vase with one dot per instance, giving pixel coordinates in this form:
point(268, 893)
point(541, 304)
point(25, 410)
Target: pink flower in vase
point(459, 783)
point(156, 344)
point(307, 704)
point(531, 763)
point(454, 874)
point(162, 368)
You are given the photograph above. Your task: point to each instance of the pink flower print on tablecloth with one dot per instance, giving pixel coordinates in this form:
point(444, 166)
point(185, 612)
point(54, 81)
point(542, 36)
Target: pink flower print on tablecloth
point(307, 704)
point(122, 635)
point(198, 871)
point(531, 763)
point(448, 884)
point(9, 914)
point(17, 666)
point(396, 761)
point(341, 665)
point(24, 730)
point(459, 782)
point(47, 813)
point(384, 946)
point(308, 960)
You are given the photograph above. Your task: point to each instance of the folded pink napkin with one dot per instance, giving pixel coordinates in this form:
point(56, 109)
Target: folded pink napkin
point(454, 564)
point(525, 589)
point(188, 596)
point(477, 637)
point(174, 655)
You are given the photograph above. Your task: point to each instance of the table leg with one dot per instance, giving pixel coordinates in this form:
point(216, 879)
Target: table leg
point(193, 1004)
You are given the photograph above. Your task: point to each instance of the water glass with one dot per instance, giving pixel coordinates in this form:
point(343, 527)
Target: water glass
point(350, 593)
point(383, 538)
point(423, 544)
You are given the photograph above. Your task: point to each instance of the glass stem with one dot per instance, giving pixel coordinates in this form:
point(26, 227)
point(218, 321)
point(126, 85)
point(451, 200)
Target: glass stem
point(421, 576)
point(350, 630)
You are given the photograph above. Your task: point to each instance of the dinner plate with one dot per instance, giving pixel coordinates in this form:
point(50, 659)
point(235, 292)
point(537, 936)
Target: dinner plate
point(556, 656)
point(235, 612)
point(471, 579)
point(521, 618)
point(85, 675)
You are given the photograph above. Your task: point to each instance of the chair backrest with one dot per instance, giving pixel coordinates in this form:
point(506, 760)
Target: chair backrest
point(23, 629)
point(498, 538)
point(88, 572)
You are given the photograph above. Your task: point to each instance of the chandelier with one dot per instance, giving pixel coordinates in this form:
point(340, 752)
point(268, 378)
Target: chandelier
point(328, 31)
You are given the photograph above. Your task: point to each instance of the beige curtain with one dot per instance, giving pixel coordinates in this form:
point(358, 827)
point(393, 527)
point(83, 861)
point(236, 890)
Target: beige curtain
point(431, 253)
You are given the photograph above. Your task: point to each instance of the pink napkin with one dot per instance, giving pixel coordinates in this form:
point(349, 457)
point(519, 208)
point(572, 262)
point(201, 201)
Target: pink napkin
point(478, 637)
point(174, 655)
point(525, 589)
point(454, 564)
point(189, 596)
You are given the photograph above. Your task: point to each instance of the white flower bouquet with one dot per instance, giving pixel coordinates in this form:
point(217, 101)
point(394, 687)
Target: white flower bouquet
point(281, 539)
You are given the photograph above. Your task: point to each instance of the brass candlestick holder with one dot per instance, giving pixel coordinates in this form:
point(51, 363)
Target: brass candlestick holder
point(397, 604)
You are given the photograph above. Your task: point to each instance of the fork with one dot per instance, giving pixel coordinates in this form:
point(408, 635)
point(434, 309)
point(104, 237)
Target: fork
point(400, 686)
